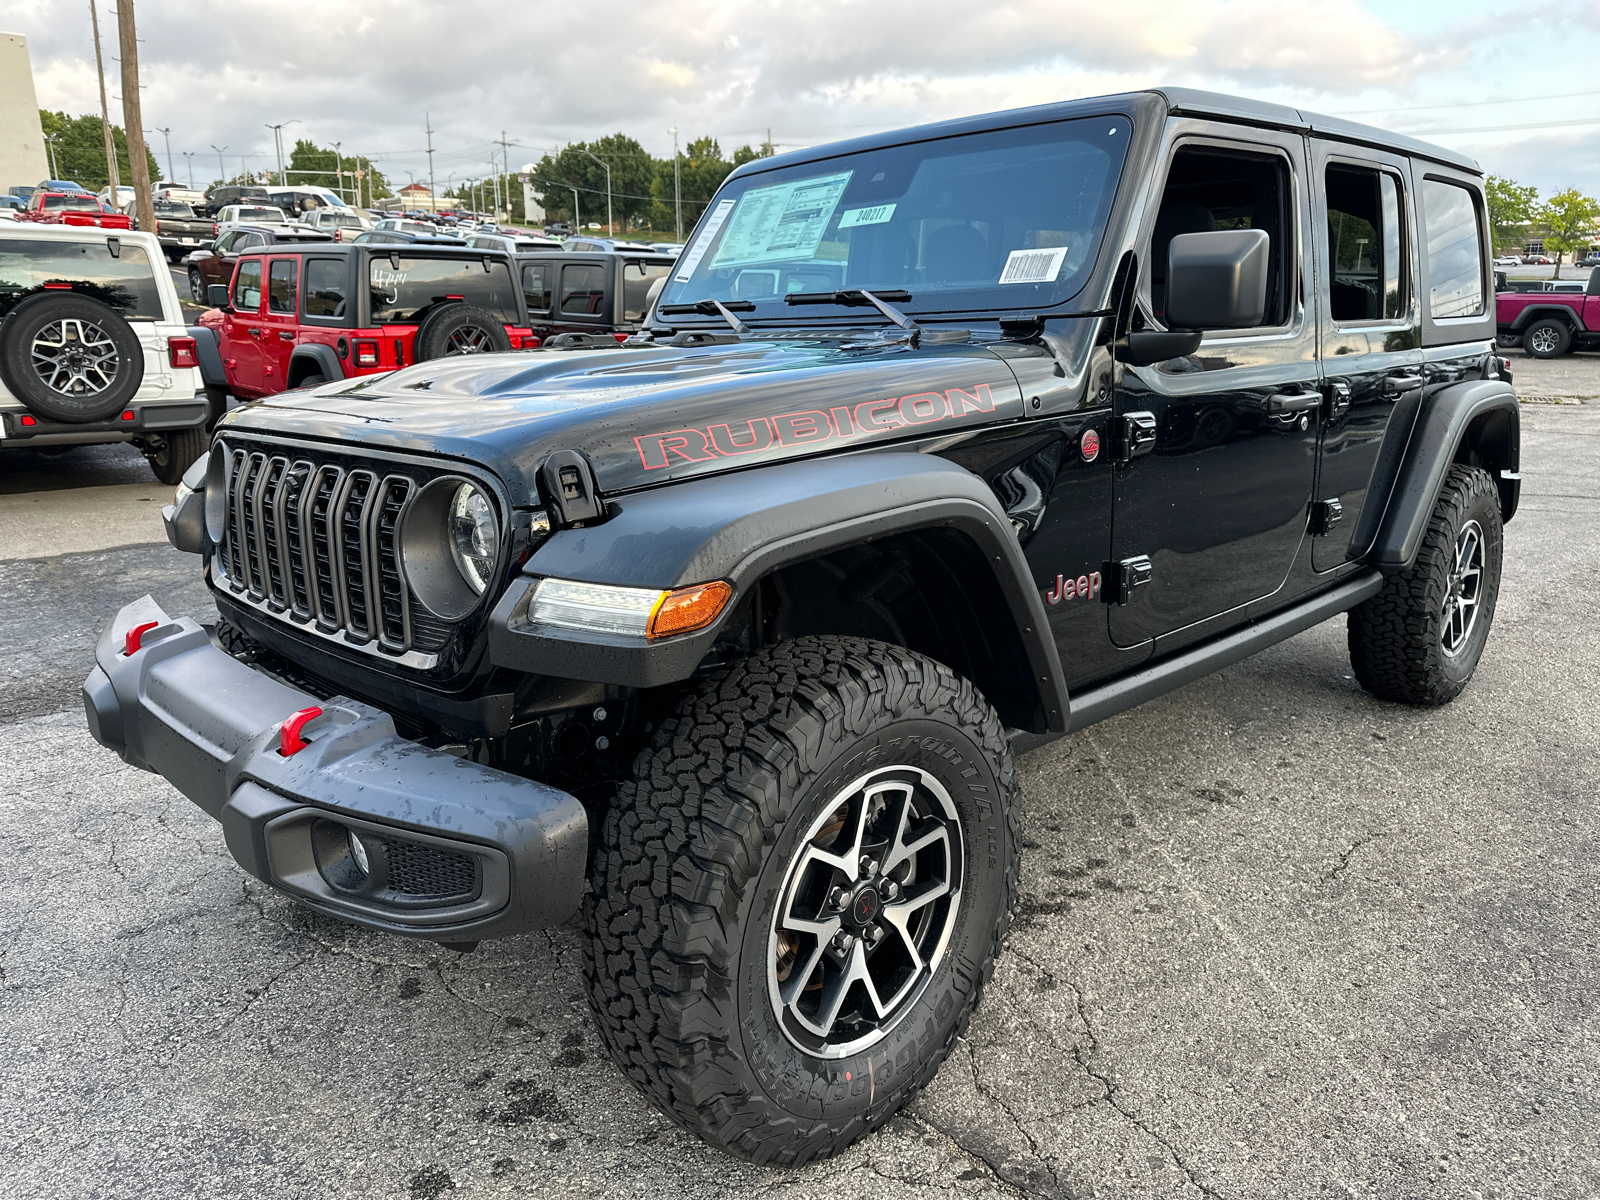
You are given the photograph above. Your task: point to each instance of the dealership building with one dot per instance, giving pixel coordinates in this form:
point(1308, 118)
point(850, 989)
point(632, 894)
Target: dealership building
point(22, 157)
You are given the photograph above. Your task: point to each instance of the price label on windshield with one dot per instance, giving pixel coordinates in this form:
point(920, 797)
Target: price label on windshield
point(782, 222)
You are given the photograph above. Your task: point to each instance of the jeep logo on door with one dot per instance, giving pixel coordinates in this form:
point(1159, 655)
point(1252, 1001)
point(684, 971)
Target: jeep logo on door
point(1084, 587)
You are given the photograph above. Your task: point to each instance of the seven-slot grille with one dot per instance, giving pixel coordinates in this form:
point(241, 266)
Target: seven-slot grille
point(319, 544)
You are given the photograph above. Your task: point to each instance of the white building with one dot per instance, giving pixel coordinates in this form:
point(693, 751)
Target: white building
point(22, 157)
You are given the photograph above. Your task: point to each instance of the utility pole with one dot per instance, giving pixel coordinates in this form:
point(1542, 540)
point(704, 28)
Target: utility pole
point(167, 134)
point(433, 202)
point(105, 118)
point(188, 161)
point(610, 229)
point(339, 170)
point(221, 170)
point(50, 140)
point(132, 121)
point(505, 164)
point(277, 145)
point(677, 185)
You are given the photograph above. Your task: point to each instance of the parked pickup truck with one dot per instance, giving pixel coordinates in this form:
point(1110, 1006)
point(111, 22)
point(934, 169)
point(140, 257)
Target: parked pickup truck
point(1549, 324)
point(179, 230)
point(72, 208)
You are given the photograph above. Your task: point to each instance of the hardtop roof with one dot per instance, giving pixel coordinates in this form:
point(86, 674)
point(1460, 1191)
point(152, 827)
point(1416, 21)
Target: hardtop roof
point(1177, 101)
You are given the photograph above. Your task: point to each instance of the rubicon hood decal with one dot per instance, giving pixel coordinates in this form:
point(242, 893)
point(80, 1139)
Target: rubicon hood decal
point(643, 417)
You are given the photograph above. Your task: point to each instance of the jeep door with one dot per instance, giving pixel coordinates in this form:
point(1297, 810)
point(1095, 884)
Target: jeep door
point(279, 320)
point(241, 352)
point(1365, 250)
point(1209, 513)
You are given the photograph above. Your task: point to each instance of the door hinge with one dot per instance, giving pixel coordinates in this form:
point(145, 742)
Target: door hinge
point(1325, 514)
point(1122, 577)
point(1338, 394)
point(1136, 435)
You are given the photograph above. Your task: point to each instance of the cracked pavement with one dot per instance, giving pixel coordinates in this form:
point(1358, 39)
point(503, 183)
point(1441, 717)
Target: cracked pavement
point(1276, 939)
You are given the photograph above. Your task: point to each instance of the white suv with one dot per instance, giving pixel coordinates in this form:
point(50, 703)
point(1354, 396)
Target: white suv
point(93, 347)
point(343, 223)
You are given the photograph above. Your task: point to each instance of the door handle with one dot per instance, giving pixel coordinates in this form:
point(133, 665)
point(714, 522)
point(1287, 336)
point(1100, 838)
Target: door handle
point(1401, 382)
point(285, 337)
point(255, 333)
point(1282, 403)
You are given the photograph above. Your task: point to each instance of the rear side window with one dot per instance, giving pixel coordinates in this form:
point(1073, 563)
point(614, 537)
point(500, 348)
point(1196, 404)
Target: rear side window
point(124, 281)
point(325, 288)
point(636, 280)
point(404, 288)
point(1366, 276)
point(247, 286)
point(536, 286)
point(583, 289)
point(1455, 250)
point(281, 281)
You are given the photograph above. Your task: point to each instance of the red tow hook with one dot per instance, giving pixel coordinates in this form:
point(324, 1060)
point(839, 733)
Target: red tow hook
point(289, 739)
point(130, 642)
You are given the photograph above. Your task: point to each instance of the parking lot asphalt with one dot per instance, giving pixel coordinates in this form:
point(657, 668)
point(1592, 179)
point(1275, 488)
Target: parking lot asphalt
point(1276, 939)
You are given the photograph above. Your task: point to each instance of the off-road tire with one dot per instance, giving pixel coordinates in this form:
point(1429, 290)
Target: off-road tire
point(176, 453)
point(687, 877)
point(1547, 339)
point(1395, 637)
point(108, 340)
point(449, 330)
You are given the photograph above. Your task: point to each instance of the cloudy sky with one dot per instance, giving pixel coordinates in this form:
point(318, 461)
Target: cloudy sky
point(1520, 92)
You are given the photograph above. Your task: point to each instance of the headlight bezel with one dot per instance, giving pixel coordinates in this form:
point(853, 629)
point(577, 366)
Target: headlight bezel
point(428, 559)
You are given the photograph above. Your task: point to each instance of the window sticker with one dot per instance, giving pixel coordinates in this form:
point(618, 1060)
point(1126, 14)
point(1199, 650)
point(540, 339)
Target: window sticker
point(781, 222)
point(876, 215)
point(1033, 266)
point(691, 260)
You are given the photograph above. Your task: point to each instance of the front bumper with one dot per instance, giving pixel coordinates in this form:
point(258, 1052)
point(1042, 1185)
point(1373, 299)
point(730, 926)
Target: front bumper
point(457, 851)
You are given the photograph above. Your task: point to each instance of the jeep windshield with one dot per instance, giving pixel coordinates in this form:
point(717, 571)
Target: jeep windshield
point(1003, 219)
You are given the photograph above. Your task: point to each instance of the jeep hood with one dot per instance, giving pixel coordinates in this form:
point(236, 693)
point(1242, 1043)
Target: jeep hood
point(648, 416)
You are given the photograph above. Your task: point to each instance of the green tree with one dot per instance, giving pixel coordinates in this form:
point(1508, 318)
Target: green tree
point(311, 165)
point(79, 146)
point(556, 175)
point(1511, 206)
point(1570, 218)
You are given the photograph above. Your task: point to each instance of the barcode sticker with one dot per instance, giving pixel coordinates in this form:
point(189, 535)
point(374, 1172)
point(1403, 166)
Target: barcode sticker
point(1033, 266)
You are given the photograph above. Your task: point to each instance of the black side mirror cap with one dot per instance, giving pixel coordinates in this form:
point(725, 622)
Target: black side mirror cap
point(217, 295)
point(1217, 280)
point(1150, 346)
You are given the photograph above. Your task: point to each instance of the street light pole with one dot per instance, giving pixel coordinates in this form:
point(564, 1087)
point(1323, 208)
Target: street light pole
point(677, 186)
point(188, 162)
point(167, 134)
point(610, 228)
point(221, 170)
point(339, 171)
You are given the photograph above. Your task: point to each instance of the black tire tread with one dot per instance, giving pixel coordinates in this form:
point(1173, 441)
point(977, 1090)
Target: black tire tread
point(688, 835)
point(1390, 633)
point(183, 447)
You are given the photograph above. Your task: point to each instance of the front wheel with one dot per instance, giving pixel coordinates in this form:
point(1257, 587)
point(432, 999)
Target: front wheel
point(1546, 339)
point(799, 897)
point(1419, 640)
point(175, 452)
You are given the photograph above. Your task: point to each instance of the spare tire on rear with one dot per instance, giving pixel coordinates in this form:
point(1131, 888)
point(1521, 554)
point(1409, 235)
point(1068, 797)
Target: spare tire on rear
point(69, 357)
point(460, 329)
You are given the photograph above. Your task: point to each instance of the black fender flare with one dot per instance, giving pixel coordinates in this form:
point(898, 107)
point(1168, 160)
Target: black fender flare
point(209, 356)
point(1538, 312)
point(741, 526)
point(1457, 417)
point(327, 363)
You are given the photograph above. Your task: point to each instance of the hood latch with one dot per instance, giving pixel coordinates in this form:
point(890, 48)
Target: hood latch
point(568, 487)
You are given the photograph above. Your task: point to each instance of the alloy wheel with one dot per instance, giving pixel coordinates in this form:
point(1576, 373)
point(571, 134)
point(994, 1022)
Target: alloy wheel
point(1463, 590)
point(75, 357)
point(469, 339)
point(865, 911)
point(1543, 340)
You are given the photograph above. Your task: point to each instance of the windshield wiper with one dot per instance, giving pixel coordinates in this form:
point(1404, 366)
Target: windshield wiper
point(851, 297)
point(713, 308)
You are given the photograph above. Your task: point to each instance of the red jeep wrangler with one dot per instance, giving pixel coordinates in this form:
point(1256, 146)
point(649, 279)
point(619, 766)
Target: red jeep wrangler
point(299, 315)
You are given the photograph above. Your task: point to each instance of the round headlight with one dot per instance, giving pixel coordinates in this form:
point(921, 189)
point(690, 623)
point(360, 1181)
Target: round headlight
point(474, 536)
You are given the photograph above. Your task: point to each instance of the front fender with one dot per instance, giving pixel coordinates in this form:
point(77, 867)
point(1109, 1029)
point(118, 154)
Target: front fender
point(1458, 417)
point(741, 526)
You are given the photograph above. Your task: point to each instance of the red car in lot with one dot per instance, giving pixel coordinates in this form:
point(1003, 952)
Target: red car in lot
point(301, 314)
point(72, 208)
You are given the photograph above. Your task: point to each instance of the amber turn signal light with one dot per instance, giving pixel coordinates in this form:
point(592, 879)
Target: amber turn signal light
point(688, 609)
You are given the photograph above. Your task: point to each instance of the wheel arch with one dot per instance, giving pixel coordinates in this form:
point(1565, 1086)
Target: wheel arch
point(1539, 312)
point(209, 356)
point(1475, 423)
point(827, 540)
point(313, 359)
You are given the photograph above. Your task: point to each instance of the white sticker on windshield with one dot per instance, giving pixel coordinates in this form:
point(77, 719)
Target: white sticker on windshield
point(691, 260)
point(781, 222)
point(876, 215)
point(1033, 266)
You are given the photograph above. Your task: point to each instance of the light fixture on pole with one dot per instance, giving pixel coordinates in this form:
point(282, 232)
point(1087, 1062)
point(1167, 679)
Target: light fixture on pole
point(610, 228)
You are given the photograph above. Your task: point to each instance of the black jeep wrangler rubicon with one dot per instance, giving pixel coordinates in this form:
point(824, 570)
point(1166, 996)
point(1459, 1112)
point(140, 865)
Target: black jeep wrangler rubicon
point(938, 444)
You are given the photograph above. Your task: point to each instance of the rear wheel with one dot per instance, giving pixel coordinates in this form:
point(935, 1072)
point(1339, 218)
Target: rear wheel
point(175, 452)
point(798, 899)
point(1547, 339)
point(197, 286)
point(1418, 641)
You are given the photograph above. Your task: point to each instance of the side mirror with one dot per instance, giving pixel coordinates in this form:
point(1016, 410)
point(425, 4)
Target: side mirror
point(217, 295)
point(1217, 280)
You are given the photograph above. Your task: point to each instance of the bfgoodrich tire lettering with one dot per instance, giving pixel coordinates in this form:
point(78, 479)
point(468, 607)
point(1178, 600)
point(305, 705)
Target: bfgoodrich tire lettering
point(1418, 641)
point(692, 867)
